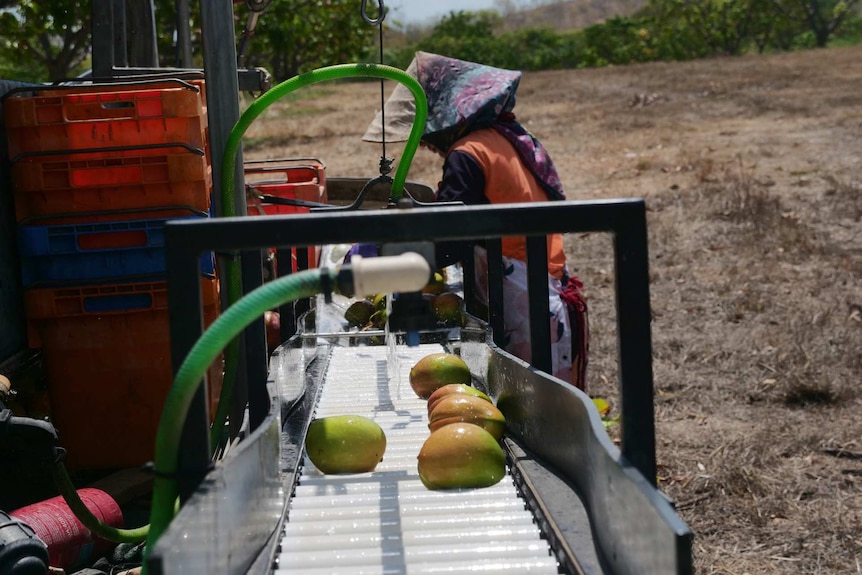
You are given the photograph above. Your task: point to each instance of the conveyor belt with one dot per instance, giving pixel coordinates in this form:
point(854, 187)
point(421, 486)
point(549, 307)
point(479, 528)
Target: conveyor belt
point(386, 521)
point(576, 482)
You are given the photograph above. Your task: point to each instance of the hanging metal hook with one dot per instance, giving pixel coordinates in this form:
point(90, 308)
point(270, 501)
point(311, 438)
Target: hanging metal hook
point(381, 13)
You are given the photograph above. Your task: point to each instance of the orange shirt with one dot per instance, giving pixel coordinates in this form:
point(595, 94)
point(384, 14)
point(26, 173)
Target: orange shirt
point(509, 181)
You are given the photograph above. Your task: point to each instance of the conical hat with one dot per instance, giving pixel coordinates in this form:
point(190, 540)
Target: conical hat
point(461, 96)
point(399, 111)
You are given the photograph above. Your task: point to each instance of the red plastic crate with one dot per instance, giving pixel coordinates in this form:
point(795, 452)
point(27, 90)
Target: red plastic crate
point(105, 115)
point(308, 191)
point(106, 354)
point(292, 178)
point(130, 179)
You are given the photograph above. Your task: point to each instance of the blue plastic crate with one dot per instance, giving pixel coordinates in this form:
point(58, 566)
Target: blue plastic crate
point(96, 251)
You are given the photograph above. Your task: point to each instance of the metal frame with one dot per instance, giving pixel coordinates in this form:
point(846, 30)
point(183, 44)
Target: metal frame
point(624, 219)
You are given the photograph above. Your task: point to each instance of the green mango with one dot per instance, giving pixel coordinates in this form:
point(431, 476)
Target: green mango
point(359, 313)
point(447, 309)
point(345, 444)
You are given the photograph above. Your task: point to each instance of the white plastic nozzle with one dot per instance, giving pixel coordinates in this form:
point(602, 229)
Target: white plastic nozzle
point(407, 272)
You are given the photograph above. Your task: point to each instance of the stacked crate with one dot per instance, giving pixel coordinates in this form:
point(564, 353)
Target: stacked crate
point(293, 181)
point(97, 171)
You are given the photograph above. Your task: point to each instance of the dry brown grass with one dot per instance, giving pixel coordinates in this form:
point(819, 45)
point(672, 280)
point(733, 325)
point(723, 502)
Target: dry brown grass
point(752, 172)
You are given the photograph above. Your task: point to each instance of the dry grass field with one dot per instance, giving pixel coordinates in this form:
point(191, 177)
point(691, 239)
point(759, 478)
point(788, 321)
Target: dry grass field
point(752, 172)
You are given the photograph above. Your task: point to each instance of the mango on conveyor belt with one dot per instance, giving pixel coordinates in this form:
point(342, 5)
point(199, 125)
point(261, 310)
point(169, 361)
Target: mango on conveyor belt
point(460, 456)
point(454, 388)
point(436, 370)
point(457, 408)
point(345, 444)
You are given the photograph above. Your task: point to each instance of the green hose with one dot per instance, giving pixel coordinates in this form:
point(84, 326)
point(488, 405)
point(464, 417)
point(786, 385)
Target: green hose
point(242, 311)
point(86, 517)
point(223, 333)
point(233, 275)
point(314, 77)
point(188, 378)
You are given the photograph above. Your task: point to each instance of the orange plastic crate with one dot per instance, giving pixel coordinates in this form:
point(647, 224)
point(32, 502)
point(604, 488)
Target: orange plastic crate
point(292, 179)
point(99, 116)
point(308, 191)
point(293, 169)
point(104, 181)
point(299, 179)
point(106, 354)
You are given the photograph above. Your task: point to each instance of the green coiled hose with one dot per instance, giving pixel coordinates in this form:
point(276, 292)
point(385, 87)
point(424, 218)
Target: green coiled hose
point(323, 75)
point(86, 517)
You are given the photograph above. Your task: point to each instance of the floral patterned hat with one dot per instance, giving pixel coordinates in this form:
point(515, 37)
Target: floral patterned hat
point(463, 96)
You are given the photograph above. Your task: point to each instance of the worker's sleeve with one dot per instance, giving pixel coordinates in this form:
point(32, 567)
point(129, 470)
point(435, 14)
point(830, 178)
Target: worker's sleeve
point(364, 250)
point(463, 181)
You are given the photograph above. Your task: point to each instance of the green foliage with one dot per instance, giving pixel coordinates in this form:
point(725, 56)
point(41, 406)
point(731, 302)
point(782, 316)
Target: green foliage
point(166, 25)
point(472, 36)
point(663, 30)
point(821, 18)
point(50, 39)
point(730, 27)
point(297, 36)
point(619, 41)
point(850, 32)
point(289, 37)
point(45, 40)
point(464, 35)
point(538, 49)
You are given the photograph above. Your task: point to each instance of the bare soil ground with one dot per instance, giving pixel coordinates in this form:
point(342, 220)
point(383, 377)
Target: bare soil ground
point(752, 172)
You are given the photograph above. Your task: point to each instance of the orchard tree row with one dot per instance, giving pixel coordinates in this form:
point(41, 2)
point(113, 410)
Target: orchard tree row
point(662, 30)
point(49, 40)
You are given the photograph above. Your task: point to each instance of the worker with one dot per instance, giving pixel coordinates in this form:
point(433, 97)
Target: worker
point(489, 158)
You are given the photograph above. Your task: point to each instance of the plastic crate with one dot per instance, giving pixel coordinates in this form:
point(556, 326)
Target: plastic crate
point(106, 115)
point(295, 169)
point(63, 186)
point(296, 179)
point(98, 251)
point(106, 357)
point(122, 180)
point(291, 178)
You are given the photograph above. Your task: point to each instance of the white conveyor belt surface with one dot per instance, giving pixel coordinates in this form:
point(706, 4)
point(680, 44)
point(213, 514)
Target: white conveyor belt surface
point(386, 522)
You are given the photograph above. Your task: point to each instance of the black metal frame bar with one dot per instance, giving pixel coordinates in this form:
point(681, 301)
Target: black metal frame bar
point(624, 219)
point(537, 282)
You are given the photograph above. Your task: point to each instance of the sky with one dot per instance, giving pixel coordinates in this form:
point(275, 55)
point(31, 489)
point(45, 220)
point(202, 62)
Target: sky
point(426, 11)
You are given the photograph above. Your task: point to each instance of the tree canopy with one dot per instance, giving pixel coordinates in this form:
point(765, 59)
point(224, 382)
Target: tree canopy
point(46, 40)
point(43, 39)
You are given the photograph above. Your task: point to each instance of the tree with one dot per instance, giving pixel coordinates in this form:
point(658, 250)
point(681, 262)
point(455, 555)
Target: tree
point(724, 26)
point(51, 39)
point(295, 36)
point(169, 32)
point(467, 36)
point(772, 29)
point(822, 17)
point(45, 39)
